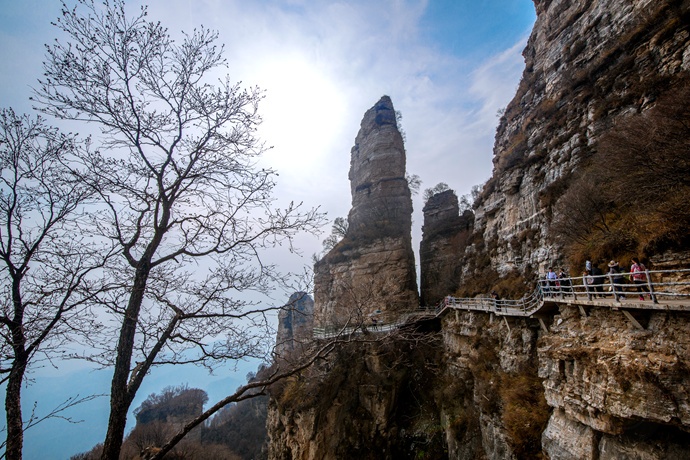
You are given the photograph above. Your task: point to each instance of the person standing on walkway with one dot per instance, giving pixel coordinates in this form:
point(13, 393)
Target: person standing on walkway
point(617, 280)
point(639, 277)
point(564, 280)
point(551, 281)
point(598, 277)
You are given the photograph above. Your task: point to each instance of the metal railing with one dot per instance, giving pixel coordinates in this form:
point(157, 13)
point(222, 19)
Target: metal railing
point(651, 284)
point(525, 306)
point(671, 286)
point(373, 323)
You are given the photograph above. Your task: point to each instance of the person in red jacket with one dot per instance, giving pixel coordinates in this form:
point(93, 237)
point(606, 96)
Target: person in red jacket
point(639, 277)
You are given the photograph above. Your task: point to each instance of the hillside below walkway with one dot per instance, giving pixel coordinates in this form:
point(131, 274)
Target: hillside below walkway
point(662, 290)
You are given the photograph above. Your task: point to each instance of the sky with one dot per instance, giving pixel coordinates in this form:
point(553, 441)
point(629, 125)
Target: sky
point(448, 65)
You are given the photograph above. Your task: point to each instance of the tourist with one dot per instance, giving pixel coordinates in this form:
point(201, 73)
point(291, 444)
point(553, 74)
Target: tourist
point(598, 277)
point(617, 280)
point(551, 281)
point(496, 297)
point(639, 277)
point(588, 282)
point(564, 280)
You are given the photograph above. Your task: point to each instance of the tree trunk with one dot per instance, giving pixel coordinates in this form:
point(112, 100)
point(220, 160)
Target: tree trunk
point(121, 395)
point(13, 395)
point(13, 409)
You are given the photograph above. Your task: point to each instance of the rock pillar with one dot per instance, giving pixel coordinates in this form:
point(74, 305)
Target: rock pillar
point(372, 269)
point(444, 237)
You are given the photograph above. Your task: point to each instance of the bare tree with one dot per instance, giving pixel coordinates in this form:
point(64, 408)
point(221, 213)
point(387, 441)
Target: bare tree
point(413, 182)
point(45, 262)
point(438, 188)
point(185, 201)
point(647, 168)
point(632, 196)
point(338, 232)
point(585, 209)
point(285, 369)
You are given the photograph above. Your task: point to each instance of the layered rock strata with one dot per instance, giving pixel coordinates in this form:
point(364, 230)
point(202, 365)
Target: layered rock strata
point(366, 401)
point(373, 267)
point(295, 324)
point(445, 234)
point(587, 65)
point(617, 391)
point(591, 387)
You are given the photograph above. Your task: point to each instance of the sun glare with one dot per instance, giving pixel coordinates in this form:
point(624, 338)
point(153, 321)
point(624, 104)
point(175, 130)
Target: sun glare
point(303, 112)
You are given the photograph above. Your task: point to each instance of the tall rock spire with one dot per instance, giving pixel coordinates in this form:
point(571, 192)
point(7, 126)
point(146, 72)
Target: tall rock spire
point(372, 269)
point(295, 324)
point(445, 235)
point(381, 200)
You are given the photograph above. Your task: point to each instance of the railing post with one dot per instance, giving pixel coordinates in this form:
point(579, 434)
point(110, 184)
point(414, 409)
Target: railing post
point(572, 288)
point(613, 287)
point(650, 285)
point(584, 281)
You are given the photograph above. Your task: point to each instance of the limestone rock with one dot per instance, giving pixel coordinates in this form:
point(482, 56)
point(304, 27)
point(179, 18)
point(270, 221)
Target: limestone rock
point(373, 267)
point(604, 375)
point(295, 323)
point(444, 236)
point(605, 390)
point(587, 64)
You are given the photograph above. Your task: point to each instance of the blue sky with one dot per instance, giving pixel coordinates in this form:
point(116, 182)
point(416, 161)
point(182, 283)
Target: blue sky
point(448, 66)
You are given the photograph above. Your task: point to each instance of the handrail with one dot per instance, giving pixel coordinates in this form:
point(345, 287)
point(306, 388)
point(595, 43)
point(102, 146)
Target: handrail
point(615, 288)
point(619, 285)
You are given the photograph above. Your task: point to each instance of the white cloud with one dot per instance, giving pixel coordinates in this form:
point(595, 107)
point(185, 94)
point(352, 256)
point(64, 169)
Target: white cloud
point(323, 64)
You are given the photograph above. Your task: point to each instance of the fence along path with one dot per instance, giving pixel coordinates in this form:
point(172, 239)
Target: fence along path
point(667, 290)
point(662, 290)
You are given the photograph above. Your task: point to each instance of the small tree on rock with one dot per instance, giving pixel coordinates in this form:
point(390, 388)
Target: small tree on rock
point(438, 188)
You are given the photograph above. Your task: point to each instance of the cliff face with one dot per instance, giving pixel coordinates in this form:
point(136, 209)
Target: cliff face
point(373, 266)
point(476, 386)
point(367, 401)
point(295, 323)
point(616, 391)
point(445, 234)
point(584, 384)
point(587, 64)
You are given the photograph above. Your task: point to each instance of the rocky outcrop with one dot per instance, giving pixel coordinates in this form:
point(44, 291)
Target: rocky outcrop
point(580, 383)
point(445, 234)
point(373, 266)
point(587, 64)
point(295, 324)
point(370, 401)
point(617, 391)
point(591, 387)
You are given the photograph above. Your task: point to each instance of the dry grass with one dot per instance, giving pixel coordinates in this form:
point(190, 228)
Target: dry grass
point(524, 412)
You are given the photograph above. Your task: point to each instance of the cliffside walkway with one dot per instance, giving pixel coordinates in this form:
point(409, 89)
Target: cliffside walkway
point(385, 322)
point(666, 290)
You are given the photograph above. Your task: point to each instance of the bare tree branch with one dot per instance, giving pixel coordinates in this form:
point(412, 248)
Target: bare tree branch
point(185, 202)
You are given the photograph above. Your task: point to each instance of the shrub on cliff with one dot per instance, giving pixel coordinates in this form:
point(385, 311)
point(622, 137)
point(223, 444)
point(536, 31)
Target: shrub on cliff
point(632, 198)
point(524, 413)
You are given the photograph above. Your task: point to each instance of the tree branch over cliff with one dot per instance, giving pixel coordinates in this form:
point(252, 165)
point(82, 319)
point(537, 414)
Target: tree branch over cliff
point(182, 196)
point(255, 388)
